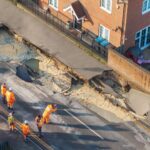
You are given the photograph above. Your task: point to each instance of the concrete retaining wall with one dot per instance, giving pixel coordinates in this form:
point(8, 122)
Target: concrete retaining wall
point(131, 71)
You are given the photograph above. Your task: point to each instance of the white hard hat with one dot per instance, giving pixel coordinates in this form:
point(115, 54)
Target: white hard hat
point(26, 122)
point(10, 114)
point(10, 89)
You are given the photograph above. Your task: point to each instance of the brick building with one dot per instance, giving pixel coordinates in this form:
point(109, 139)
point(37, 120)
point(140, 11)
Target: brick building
point(121, 22)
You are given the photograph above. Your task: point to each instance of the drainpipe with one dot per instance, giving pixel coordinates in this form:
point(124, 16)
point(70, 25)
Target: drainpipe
point(124, 19)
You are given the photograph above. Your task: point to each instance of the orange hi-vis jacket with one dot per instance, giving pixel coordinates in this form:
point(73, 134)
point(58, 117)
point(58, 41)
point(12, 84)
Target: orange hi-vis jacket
point(10, 97)
point(3, 90)
point(25, 129)
point(48, 110)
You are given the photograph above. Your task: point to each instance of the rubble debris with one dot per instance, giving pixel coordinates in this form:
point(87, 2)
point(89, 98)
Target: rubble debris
point(88, 96)
point(115, 81)
point(11, 49)
point(18, 38)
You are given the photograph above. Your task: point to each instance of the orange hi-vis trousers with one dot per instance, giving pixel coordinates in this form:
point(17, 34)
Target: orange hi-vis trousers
point(12, 126)
point(46, 117)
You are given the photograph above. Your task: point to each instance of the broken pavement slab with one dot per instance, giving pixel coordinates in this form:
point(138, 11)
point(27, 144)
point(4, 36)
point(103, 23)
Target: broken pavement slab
point(138, 101)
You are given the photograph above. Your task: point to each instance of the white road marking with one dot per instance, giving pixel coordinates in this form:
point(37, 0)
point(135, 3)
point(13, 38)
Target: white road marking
point(12, 70)
point(84, 124)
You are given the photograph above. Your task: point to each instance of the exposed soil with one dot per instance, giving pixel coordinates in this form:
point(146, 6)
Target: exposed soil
point(54, 75)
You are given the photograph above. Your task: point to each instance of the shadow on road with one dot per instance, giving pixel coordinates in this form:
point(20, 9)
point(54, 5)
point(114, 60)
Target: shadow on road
point(110, 127)
point(74, 141)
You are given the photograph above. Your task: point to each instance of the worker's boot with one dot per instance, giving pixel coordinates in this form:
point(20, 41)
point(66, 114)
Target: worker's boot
point(3, 99)
point(40, 132)
point(12, 110)
point(25, 139)
point(10, 129)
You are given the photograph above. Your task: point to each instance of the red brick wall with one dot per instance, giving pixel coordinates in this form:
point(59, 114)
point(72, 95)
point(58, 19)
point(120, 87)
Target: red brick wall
point(132, 72)
point(135, 21)
point(97, 16)
point(43, 3)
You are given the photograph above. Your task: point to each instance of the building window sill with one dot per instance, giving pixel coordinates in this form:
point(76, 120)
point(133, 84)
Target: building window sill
point(55, 8)
point(145, 12)
point(103, 8)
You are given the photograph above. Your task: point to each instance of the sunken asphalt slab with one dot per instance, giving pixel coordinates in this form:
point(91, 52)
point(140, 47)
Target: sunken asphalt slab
point(49, 40)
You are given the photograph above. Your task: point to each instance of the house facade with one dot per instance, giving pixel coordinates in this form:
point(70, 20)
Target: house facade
point(121, 22)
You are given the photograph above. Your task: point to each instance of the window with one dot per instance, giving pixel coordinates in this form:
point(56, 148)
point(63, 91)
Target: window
point(148, 36)
point(104, 32)
point(54, 4)
point(142, 38)
point(106, 5)
point(146, 6)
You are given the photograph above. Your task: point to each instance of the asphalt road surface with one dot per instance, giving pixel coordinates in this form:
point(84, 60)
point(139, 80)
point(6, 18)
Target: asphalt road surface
point(15, 138)
point(72, 127)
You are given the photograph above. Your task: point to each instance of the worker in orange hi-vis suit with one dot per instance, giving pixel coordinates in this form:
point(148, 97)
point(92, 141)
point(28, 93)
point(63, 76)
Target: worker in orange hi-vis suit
point(3, 92)
point(48, 111)
point(10, 97)
point(25, 130)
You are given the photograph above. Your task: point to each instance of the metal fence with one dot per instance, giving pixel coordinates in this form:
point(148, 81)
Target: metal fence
point(84, 36)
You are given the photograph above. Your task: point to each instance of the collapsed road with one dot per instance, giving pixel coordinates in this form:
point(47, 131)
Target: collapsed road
point(72, 126)
point(47, 38)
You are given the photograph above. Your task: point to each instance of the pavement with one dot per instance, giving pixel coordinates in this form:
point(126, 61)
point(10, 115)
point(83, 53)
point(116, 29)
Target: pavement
point(49, 40)
point(72, 126)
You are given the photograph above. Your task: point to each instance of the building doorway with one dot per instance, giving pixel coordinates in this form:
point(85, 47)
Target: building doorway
point(77, 24)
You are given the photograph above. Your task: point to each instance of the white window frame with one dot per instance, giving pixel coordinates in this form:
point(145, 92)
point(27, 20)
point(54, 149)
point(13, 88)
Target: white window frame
point(104, 36)
point(105, 7)
point(52, 5)
point(139, 38)
point(147, 6)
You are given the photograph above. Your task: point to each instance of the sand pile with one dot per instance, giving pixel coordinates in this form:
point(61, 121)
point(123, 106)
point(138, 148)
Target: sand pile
point(12, 49)
point(88, 95)
point(55, 73)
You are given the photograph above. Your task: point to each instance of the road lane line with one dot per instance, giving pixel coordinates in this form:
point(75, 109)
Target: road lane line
point(84, 124)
